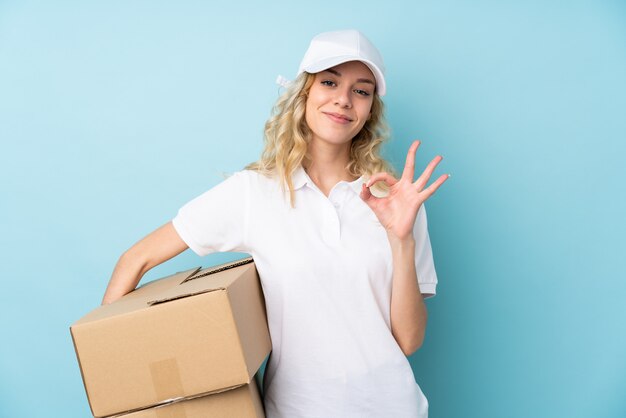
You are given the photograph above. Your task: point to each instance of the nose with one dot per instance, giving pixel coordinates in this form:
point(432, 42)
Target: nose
point(343, 98)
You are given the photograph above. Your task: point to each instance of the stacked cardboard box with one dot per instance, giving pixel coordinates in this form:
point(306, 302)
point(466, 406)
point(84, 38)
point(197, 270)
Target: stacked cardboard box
point(190, 342)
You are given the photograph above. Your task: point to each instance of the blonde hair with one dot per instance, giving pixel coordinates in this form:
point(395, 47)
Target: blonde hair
point(287, 137)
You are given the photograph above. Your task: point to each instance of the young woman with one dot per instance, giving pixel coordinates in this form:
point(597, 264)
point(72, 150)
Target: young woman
point(340, 244)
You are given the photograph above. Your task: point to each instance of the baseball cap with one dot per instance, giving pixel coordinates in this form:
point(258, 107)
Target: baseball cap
point(333, 48)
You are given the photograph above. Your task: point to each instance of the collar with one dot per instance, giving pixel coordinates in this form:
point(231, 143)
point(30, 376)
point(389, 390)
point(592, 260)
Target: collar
point(300, 178)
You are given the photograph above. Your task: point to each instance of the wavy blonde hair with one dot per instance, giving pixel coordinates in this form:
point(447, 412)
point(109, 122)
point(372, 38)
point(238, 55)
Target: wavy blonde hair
point(287, 137)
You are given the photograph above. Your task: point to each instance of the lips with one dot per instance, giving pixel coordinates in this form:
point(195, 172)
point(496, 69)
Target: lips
point(338, 117)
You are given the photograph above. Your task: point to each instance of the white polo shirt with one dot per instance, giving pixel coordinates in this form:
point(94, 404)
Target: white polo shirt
point(326, 272)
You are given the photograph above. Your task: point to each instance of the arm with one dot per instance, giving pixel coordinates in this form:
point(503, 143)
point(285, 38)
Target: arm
point(408, 310)
point(397, 212)
point(159, 246)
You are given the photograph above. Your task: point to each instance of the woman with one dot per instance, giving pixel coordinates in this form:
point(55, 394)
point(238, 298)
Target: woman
point(341, 246)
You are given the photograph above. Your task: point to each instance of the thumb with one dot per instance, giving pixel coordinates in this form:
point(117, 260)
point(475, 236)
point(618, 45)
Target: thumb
point(367, 196)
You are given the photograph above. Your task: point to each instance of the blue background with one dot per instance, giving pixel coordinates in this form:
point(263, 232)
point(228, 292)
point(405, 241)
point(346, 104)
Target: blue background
point(114, 114)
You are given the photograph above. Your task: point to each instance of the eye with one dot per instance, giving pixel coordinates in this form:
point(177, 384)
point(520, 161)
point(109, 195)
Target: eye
point(328, 83)
point(361, 92)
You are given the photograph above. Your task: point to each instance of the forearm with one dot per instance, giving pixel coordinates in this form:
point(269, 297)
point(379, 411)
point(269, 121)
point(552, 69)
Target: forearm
point(126, 275)
point(159, 246)
point(408, 310)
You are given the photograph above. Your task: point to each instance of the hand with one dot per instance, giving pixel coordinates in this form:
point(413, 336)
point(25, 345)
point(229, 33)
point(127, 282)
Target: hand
point(398, 210)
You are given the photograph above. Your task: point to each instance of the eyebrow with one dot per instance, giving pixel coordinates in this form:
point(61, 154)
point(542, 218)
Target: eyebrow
point(360, 80)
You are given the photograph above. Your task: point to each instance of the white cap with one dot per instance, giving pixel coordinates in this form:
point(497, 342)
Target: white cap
point(333, 48)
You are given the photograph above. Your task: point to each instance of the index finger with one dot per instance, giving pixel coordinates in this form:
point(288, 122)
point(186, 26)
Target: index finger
point(409, 166)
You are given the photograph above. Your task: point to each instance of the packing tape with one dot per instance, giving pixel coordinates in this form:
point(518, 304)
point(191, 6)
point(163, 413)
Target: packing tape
point(175, 410)
point(166, 379)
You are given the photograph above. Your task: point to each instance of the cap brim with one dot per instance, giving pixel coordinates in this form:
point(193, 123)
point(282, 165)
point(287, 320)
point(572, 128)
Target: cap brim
point(327, 63)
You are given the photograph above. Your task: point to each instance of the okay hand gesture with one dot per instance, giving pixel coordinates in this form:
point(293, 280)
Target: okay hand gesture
point(398, 210)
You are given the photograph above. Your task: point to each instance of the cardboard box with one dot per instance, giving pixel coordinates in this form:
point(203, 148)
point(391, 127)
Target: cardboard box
point(192, 333)
point(242, 402)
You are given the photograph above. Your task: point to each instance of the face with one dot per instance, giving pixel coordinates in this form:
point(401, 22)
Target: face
point(339, 102)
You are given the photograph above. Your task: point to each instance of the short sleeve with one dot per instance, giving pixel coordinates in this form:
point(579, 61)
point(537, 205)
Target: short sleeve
point(424, 263)
point(217, 220)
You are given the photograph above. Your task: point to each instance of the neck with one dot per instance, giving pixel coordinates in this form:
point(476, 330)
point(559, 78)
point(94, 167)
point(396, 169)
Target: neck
point(327, 165)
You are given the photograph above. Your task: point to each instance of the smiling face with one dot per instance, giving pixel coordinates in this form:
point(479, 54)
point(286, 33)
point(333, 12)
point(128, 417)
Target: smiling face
point(339, 102)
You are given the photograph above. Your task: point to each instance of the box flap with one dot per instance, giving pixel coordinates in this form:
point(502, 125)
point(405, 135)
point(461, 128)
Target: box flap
point(137, 299)
point(202, 281)
point(185, 274)
point(219, 268)
point(180, 296)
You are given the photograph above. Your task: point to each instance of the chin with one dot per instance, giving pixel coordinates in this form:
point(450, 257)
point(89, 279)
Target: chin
point(336, 137)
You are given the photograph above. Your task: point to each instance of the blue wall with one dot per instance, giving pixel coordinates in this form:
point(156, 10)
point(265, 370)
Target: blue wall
point(114, 114)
